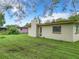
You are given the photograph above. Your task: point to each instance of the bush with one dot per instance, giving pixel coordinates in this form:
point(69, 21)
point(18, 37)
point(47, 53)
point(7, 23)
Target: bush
point(12, 30)
point(3, 32)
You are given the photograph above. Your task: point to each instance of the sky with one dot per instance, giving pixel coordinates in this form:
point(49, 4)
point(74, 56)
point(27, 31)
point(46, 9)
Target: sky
point(39, 12)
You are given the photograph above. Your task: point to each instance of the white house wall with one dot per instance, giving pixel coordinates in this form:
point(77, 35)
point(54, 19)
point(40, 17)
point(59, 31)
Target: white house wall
point(33, 29)
point(66, 33)
point(29, 31)
point(75, 36)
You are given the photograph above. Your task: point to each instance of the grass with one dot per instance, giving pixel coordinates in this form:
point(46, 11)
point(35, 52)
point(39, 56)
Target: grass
point(25, 47)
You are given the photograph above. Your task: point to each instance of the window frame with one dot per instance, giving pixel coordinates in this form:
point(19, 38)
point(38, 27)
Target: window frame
point(56, 32)
point(40, 31)
point(77, 29)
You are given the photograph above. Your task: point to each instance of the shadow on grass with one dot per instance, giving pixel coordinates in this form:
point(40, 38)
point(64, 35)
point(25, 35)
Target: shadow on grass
point(2, 37)
point(29, 47)
point(16, 49)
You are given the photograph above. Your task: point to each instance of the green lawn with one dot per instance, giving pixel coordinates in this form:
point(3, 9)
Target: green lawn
point(25, 47)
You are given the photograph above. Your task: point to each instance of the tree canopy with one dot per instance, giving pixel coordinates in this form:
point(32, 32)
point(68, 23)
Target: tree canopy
point(12, 29)
point(22, 6)
point(74, 18)
point(2, 21)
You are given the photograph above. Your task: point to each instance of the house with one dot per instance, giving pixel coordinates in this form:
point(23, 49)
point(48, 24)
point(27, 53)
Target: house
point(23, 29)
point(3, 28)
point(65, 31)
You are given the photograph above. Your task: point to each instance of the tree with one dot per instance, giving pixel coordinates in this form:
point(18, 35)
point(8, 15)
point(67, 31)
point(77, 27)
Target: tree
point(60, 20)
point(74, 18)
point(22, 6)
point(12, 29)
point(47, 21)
point(2, 21)
point(71, 6)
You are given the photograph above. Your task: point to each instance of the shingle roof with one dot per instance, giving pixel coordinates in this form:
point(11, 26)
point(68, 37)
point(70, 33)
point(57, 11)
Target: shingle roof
point(57, 23)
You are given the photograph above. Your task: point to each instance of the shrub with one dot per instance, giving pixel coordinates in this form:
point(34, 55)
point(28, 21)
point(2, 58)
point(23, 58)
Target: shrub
point(12, 29)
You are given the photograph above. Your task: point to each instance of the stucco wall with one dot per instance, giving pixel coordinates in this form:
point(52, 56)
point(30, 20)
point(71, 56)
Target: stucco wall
point(33, 29)
point(75, 36)
point(66, 33)
point(29, 31)
point(23, 30)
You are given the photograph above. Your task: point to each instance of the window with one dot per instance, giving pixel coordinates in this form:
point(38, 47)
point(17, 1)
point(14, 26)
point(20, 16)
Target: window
point(40, 31)
point(57, 29)
point(77, 29)
point(21, 29)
